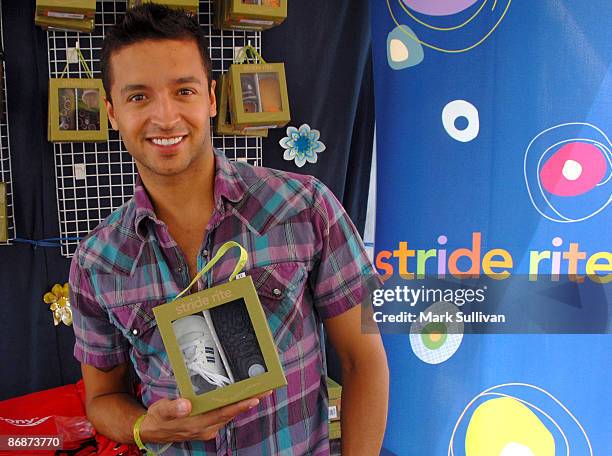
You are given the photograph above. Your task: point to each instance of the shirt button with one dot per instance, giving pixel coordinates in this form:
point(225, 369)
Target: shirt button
point(135, 332)
point(277, 292)
point(179, 269)
point(204, 253)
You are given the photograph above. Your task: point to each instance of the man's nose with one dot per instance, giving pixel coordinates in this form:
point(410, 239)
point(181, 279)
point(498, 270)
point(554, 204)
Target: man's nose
point(165, 113)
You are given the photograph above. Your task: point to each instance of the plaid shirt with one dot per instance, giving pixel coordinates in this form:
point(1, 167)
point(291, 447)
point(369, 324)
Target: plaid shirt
point(300, 242)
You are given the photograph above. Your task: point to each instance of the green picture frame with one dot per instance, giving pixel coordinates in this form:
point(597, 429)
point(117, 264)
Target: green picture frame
point(82, 117)
point(249, 96)
point(223, 122)
point(239, 290)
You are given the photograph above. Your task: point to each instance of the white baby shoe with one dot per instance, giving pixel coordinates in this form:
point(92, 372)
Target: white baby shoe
point(201, 353)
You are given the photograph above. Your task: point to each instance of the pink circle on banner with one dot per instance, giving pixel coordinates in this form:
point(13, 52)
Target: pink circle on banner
point(438, 8)
point(573, 170)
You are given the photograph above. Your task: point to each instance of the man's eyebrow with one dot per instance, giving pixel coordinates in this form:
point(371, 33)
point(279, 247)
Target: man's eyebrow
point(132, 87)
point(183, 80)
point(188, 79)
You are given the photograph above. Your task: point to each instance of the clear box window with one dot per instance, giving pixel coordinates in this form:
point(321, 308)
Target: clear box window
point(261, 92)
point(219, 346)
point(79, 109)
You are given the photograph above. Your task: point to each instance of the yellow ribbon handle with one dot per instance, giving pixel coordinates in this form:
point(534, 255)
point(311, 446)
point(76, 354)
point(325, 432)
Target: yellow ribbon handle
point(249, 54)
point(82, 63)
point(222, 251)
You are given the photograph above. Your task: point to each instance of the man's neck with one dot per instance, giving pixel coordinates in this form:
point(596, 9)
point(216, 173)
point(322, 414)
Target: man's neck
point(184, 201)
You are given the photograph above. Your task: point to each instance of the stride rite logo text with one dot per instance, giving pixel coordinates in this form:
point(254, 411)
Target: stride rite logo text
point(198, 302)
point(496, 263)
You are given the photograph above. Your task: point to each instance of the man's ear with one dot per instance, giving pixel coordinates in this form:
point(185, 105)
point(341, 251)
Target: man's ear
point(213, 98)
point(111, 113)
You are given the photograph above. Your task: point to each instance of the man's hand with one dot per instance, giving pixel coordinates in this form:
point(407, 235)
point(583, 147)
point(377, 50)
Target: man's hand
point(169, 420)
point(113, 410)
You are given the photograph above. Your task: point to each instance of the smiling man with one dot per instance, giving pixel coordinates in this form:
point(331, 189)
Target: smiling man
point(305, 257)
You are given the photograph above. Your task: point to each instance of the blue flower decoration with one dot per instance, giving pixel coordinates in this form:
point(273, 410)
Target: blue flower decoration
point(302, 145)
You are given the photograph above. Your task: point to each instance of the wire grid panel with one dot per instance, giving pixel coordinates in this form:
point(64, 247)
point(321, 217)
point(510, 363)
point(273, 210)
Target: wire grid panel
point(93, 179)
point(5, 156)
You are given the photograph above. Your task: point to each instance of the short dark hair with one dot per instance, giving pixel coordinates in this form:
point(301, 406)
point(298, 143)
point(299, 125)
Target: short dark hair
point(151, 21)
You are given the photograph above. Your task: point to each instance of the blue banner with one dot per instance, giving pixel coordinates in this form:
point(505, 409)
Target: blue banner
point(494, 160)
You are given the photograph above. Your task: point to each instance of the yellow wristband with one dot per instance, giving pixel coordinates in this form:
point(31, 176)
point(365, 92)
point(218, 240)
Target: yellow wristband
point(138, 441)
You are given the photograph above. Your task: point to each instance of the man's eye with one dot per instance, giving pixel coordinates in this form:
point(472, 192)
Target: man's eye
point(136, 98)
point(186, 92)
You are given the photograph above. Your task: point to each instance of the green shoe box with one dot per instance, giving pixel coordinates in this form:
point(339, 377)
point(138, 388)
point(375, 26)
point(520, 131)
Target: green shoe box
point(70, 25)
point(242, 293)
point(66, 9)
point(258, 95)
point(191, 6)
point(334, 391)
point(251, 14)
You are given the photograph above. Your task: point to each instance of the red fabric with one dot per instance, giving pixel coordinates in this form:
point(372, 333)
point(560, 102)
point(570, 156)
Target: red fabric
point(54, 412)
point(57, 412)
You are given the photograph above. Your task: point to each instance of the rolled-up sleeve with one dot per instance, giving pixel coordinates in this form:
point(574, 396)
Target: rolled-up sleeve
point(97, 341)
point(343, 272)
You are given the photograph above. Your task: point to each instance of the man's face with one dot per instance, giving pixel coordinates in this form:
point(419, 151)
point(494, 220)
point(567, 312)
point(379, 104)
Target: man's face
point(162, 105)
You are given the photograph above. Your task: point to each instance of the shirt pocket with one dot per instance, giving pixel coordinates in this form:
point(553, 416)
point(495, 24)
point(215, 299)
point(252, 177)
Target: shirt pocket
point(280, 288)
point(138, 325)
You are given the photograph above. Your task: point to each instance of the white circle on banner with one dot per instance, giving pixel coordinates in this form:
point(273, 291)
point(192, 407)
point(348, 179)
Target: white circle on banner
point(461, 108)
point(572, 170)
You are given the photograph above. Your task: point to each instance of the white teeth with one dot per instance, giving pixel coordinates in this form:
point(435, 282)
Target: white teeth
point(167, 141)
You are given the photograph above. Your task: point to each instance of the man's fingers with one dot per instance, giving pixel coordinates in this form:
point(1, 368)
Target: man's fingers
point(168, 410)
point(164, 412)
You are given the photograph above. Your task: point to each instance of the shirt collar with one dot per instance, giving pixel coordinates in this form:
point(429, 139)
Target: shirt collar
point(228, 181)
point(228, 185)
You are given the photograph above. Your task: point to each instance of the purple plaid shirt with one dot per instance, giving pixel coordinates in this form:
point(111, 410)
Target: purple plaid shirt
point(307, 263)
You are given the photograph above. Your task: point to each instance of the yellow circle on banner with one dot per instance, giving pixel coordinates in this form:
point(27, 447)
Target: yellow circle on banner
point(505, 427)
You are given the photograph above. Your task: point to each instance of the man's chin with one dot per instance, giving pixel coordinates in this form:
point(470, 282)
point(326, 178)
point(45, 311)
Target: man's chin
point(161, 171)
point(170, 172)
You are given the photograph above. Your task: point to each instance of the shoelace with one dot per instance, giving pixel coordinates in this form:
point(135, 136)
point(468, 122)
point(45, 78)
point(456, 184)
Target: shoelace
point(197, 363)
